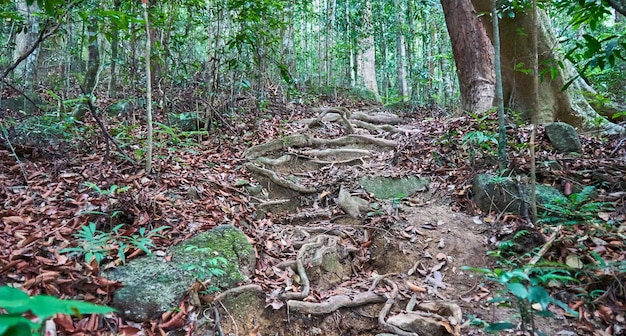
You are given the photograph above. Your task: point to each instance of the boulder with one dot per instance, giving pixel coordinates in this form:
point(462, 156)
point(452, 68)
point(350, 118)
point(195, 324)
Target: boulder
point(563, 137)
point(153, 285)
point(506, 194)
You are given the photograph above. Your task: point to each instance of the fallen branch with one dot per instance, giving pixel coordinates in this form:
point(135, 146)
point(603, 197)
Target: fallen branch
point(544, 249)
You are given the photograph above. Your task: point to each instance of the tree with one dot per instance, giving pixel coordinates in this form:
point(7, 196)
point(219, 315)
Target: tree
point(367, 52)
point(567, 105)
point(473, 54)
point(24, 39)
point(403, 89)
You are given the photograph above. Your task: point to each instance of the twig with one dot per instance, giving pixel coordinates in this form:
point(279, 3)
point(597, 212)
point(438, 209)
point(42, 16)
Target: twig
point(544, 249)
point(105, 133)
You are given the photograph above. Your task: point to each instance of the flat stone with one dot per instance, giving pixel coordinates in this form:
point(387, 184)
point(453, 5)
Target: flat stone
point(393, 187)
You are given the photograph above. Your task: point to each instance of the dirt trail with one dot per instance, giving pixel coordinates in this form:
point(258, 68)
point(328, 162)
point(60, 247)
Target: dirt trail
point(343, 261)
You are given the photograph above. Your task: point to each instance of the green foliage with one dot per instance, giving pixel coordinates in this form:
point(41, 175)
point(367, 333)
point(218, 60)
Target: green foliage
point(94, 244)
point(522, 292)
point(14, 303)
point(578, 208)
point(113, 190)
point(205, 269)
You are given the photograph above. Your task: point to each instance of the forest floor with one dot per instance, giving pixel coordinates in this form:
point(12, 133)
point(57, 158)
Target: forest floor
point(411, 247)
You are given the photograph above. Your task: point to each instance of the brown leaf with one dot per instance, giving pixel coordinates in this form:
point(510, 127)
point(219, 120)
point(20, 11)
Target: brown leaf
point(416, 288)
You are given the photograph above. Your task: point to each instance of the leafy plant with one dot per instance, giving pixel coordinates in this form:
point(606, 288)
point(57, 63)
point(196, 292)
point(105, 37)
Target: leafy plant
point(575, 209)
point(15, 303)
point(112, 191)
point(522, 292)
point(480, 142)
point(94, 244)
point(205, 269)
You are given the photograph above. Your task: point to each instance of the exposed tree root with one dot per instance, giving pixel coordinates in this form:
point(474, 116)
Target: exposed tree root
point(391, 299)
point(333, 303)
point(272, 203)
point(275, 162)
point(236, 291)
point(279, 180)
point(336, 152)
point(324, 244)
point(377, 118)
point(301, 140)
point(343, 113)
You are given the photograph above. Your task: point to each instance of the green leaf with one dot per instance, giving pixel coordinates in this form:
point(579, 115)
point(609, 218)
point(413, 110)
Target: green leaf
point(518, 289)
point(499, 326)
point(16, 326)
point(540, 295)
point(45, 306)
point(13, 300)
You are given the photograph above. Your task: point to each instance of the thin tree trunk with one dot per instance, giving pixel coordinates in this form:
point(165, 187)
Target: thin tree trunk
point(148, 90)
point(499, 101)
point(115, 35)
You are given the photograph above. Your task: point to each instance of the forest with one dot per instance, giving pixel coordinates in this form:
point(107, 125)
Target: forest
point(313, 167)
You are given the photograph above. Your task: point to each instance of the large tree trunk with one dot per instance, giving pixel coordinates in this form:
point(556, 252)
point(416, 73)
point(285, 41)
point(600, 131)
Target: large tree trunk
point(367, 52)
point(27, 70)
point(555, 104)
point(403, 89)
point(473, 54)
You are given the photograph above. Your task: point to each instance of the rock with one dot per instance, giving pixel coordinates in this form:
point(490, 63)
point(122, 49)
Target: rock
point(505, 194)
point(500, 194)
point(153, 286)
point(352, 205)
point(392, 187)
point(563, 137)
point(426, 321)
point(548, 195)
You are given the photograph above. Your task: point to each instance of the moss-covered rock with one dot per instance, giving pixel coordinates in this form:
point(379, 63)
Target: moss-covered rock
point(392, 187)
point(153, 285)
point(505, 194)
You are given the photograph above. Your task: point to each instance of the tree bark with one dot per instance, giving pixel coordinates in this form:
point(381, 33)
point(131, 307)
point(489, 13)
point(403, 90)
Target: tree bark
point(367, 52)
point(115, 34)
point(27, 70)
point(473, 55)
point(93, 52)
point(569, 106)
point(403, 89)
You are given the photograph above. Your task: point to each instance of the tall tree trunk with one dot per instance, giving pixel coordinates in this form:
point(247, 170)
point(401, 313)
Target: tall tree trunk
point(93, 52)
point(403, 89)
point(24, 39)
point(367, 52)
point(115, 36)
point(569, 106)
point(473, 54)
